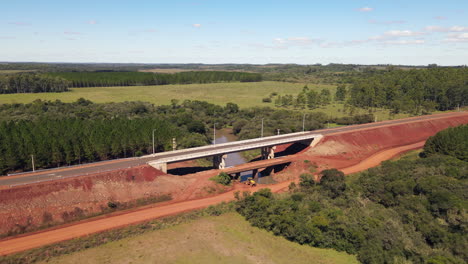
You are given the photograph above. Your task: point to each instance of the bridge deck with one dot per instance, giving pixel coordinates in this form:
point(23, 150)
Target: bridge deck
point(230, 147)
point(257, 165)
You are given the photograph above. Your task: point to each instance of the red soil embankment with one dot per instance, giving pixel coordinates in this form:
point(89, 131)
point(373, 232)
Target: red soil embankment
point(23, 208)
point(29, 241)
point(346, 149)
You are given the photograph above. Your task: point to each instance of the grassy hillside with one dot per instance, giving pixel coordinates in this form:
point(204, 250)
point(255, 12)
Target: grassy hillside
point(217, 239)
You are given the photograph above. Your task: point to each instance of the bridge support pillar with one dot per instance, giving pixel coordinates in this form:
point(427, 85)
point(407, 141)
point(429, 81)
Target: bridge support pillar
point(268, 152)
point(219, 161)
point(255, 175)
point(159, 166)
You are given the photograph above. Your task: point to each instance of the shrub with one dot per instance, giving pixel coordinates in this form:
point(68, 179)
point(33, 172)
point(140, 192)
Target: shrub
point(222, 178)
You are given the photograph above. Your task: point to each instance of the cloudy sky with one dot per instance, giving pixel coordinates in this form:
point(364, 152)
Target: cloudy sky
point(413, 32)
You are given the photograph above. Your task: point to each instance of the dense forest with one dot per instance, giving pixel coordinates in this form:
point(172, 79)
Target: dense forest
point(60, 134)
point(407, 211)
point(32, 83)
point(98, 79)
point(412, 91)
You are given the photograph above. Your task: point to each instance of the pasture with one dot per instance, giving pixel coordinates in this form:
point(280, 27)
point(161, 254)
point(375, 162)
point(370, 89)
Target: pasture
point(216, 239)
point(247, 94)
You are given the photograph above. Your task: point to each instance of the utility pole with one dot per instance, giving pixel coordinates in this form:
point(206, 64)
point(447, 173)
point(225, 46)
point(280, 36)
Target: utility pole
point(32, 161)
point(153, 139)
point(174, 144)
point(278, 130)
point(262, 128)
point(214, 134)
point(303, 122)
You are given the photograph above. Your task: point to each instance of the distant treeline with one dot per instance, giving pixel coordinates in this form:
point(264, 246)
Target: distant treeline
point(412, 91)
point(99, 79)
point(32, 83)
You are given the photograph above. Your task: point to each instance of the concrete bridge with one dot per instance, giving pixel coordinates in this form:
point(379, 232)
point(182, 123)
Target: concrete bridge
point(220, 151)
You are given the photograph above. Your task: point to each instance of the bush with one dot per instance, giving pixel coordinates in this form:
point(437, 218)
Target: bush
point(333, 181)
point(266, 100)
point(451, 141)
point(222, 178)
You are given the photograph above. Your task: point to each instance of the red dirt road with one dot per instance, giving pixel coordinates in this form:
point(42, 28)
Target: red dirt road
point(34, 240)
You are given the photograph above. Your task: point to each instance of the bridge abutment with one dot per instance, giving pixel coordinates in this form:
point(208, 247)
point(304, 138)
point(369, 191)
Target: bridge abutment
point(159, 166)
point(219, 161)
point(268, 152)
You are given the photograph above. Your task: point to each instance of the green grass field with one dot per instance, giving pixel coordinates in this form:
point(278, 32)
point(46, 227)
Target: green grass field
point(216, 239)
point(243, 94)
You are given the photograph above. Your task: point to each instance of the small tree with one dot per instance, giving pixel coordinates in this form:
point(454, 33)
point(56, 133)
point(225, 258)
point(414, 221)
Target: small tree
point(340, 94)
point(333, 181)
point(222, 178)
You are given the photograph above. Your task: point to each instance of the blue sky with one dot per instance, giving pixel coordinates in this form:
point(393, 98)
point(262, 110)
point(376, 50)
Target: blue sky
point(216, 31)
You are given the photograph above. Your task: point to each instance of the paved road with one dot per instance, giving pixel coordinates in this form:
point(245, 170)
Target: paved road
point(97, 167)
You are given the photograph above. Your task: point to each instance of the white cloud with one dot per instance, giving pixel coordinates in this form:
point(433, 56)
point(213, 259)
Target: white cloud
point(18, 23)
point(365, 9)
point(460, 37)
point(301, 40)
point(294, 41)
point(395, 34)
point(389, 22)
point(72, 33)
point(404, 42)
point(197, 25)
point(279, 41)
point(458, 29)
point(402, 33)
point(446, 29)
point(91, 22)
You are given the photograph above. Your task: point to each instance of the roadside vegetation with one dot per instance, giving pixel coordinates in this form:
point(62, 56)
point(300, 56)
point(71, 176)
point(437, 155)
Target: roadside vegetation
point(452, 142)
point(222, 178)
point(408, 210)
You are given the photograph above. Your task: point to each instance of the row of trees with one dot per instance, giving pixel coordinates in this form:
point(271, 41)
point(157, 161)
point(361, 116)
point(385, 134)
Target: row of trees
point(412, 91)
point(32, 83)
point(305, 99)
point(95, 79)
point(73, 141)
point(408, 211)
